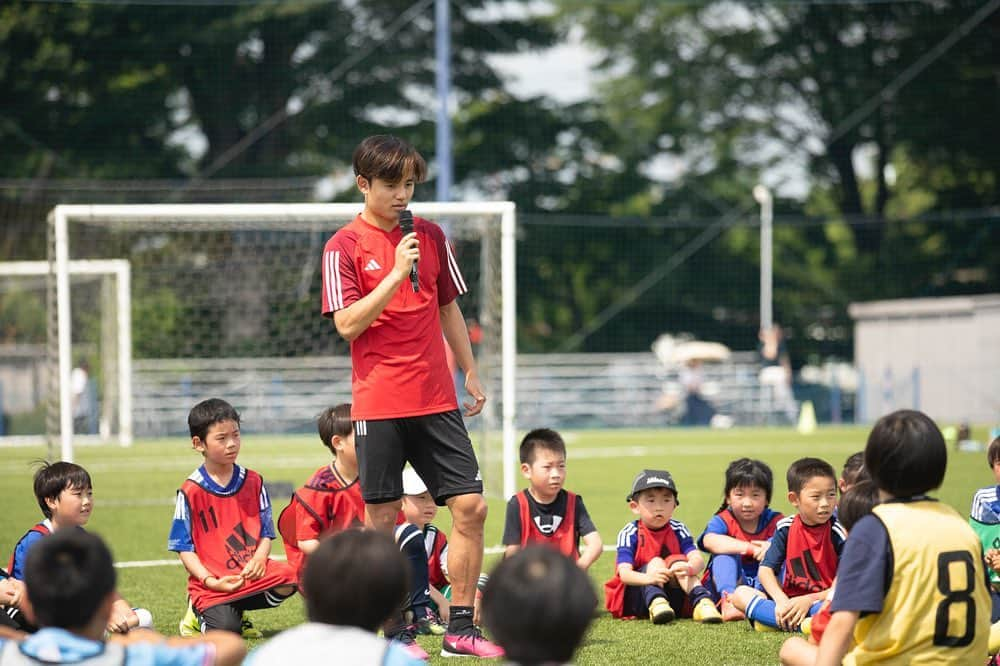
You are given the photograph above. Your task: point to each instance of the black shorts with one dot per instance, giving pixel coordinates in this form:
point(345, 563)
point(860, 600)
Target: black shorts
point(436, 445)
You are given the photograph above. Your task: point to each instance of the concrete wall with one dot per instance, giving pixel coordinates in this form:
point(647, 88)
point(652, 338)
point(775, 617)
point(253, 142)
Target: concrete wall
point(940, 355)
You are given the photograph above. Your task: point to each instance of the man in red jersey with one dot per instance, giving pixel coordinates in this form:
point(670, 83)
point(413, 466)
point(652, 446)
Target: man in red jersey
point(404, 403)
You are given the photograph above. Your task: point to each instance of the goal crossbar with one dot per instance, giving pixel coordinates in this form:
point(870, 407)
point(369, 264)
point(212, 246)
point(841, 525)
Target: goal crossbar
point(288, 216)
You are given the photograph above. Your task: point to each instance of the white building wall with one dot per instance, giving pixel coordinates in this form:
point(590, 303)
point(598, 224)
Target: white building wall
point(940, 355)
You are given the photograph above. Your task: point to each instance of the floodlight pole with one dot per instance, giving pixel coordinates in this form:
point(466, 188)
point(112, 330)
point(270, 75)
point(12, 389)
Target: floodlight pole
point(442, 82)
point(763, 197)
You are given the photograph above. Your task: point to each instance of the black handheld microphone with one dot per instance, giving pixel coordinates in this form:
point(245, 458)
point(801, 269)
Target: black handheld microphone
point(406, 226)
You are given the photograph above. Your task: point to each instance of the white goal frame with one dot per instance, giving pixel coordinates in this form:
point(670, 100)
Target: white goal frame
point(120, 270)
point(63, 216)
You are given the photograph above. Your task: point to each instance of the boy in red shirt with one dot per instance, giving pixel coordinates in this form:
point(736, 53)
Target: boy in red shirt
point(222, 527)
point(657, 567)
point(804, 551)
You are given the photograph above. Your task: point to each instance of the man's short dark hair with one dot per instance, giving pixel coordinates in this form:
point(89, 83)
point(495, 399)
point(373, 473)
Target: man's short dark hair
point(538, 604)
point(334, 421)
point(68, 575)
point(906, 454)
point(803, 469)
point(53, 478)
point(355, 578)
point(541, 438)
point(209, 412)
point(388, 158)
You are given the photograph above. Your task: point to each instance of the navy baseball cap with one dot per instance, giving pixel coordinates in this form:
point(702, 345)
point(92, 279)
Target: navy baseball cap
point(653, 478)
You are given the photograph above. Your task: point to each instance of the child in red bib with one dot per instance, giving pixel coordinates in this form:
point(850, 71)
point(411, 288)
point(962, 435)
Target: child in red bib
point(546, 513)
point(737, 536)
point(801, 562)
point(658, 566)
point(222, 527)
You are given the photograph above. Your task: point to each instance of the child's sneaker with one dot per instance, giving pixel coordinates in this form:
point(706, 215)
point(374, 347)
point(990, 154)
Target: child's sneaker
point(660, 611)
point(730, 612)
point(706, 612)
point(430, 624)
point(806, 627)
point(247, 630)
point(189, 625)
point(407, 640)
point(471, 644)
point(761, 627)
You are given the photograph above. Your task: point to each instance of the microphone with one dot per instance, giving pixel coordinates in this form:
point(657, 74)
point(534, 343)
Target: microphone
point(406, 226)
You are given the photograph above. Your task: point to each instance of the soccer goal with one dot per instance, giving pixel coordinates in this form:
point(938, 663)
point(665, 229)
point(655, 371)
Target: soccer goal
point(103, 329)
point(225, 302)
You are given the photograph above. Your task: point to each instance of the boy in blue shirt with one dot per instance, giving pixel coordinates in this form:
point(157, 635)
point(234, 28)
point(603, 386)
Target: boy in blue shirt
point(70, 581)
point(658, 566)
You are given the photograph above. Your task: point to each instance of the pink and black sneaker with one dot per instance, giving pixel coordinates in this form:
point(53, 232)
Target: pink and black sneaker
point(471, 644)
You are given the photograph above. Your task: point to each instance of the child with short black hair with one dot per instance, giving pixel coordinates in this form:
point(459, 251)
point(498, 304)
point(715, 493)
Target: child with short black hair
point(856, 502)
point(804, 551)
point(737, 536)
point(353, 582)
point(70, 582)
point(222, 528)
point(545, 512)
point(912, 582)
point(65, 494)
point(853, 471)
point(330, 501)
point(538, 606)
point(658, 565)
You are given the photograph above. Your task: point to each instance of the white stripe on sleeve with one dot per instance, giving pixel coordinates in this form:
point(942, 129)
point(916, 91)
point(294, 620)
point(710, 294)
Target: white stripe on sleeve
point(456, 273)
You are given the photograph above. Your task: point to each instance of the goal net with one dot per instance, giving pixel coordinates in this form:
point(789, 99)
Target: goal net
point(225, 302)
point(101, 329)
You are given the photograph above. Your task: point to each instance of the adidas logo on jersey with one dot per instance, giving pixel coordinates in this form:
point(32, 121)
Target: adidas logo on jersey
point(373, 265)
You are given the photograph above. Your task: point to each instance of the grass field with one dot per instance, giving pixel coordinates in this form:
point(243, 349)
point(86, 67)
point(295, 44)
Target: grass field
point(134, 491)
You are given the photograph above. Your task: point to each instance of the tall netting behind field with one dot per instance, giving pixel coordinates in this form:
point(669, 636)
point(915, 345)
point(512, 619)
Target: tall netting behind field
point(227, 304)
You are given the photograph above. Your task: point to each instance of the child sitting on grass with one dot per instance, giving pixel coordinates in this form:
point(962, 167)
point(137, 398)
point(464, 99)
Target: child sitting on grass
point(737, 536)
point(65, 495)
point(545, 512)
point(658, 565)
point(804, 552)
point(222, 529)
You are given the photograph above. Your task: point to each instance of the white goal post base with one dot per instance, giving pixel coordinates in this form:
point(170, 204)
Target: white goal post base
point(314, 217)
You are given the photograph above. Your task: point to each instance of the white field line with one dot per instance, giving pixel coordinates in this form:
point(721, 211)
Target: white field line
point(177, 462)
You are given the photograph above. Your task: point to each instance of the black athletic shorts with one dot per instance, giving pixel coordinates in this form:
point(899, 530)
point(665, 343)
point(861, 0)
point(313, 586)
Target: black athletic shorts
point(436, 445)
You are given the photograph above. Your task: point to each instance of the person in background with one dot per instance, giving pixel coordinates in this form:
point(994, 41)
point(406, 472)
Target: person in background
point(776, 370)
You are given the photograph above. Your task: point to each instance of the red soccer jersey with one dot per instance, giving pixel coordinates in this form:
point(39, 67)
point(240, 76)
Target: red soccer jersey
point(325, 504)
point(398, 363)
point(225, 531)
point(810, 558)
point(650, 544)
point(565, 539)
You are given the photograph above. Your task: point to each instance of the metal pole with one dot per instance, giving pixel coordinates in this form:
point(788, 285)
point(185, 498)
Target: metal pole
point(442, 81)
point(763, 197)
